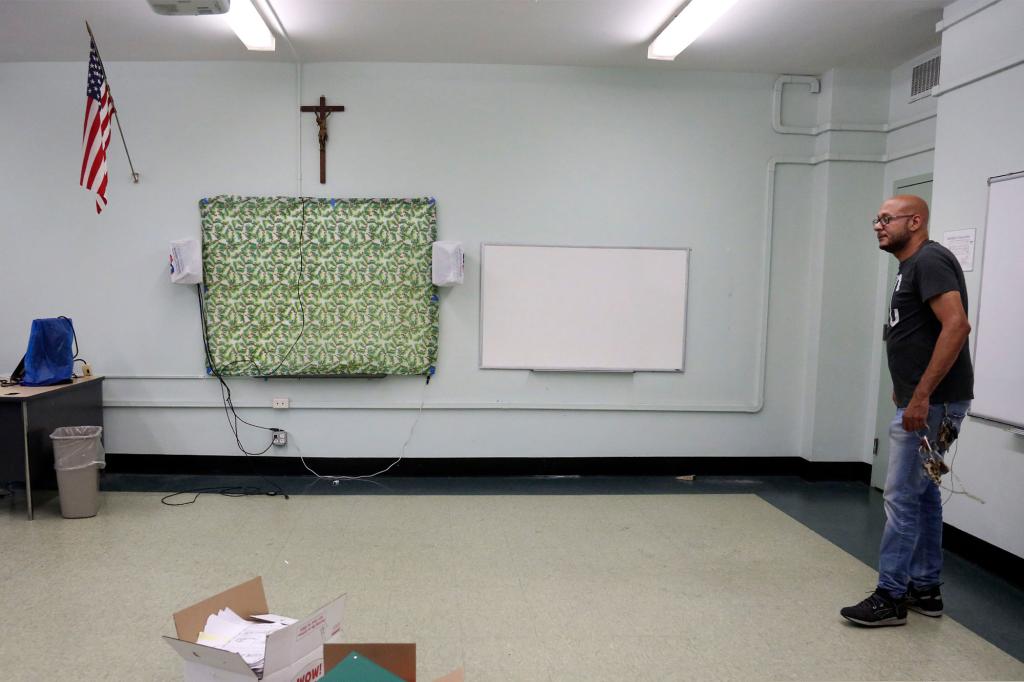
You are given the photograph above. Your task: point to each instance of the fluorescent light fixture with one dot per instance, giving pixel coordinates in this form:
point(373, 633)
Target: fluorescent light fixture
point(248, 25)
point(695, 18)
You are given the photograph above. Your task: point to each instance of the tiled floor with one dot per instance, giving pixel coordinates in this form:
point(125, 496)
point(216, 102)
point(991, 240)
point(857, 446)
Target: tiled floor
point(516, 579)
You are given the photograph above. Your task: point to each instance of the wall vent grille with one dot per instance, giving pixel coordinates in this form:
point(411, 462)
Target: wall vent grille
point(924, 78)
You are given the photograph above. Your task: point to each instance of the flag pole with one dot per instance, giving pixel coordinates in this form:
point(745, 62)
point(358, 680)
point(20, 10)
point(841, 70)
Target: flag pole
point(135, 176)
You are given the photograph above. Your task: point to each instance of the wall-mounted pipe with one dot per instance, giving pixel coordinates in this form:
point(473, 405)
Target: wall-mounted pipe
point(812, 82)
point(815, 86)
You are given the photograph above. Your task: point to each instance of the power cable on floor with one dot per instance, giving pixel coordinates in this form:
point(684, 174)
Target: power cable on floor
point(336, 478)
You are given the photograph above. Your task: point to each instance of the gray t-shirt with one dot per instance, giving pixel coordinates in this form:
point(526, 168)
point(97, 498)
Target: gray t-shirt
point(913, 329)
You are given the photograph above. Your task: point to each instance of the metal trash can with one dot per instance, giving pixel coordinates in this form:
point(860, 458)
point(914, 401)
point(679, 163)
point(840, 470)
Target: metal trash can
point(78, 456)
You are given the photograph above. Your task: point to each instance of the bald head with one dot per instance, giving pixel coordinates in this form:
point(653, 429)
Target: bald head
point(909, 203)
point(902, 225)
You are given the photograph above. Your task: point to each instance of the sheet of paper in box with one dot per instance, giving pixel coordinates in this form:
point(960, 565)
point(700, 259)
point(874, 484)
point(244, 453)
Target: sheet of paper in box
point(228, 631)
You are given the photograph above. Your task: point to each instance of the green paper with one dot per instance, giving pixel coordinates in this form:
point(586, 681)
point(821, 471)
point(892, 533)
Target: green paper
point(358, 668)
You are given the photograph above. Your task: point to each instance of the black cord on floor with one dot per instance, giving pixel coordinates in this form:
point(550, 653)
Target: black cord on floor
point(229, 491)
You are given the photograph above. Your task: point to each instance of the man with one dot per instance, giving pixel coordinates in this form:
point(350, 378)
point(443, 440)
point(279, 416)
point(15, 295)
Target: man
point(933, 383)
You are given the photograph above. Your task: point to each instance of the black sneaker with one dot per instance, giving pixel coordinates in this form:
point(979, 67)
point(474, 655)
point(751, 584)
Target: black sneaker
point(927, 601)
point(877, 610)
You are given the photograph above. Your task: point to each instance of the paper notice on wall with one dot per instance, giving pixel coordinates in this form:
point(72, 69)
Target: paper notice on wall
point(961, 243)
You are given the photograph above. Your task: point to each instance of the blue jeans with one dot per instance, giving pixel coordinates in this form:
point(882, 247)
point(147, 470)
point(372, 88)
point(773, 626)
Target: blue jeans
point(911, 551)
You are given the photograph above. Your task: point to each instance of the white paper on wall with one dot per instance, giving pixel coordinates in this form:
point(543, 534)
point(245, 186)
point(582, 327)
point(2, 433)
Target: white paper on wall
point(961, 243)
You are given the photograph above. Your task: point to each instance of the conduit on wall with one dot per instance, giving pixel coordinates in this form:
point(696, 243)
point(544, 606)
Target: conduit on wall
point(814, 84)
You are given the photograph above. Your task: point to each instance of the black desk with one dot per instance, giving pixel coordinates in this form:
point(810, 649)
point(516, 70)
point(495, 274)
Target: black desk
point(27, 418)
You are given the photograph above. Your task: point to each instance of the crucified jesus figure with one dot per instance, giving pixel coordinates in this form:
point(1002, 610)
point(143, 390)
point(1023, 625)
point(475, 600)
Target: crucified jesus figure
point(322, 111)
point(321, 121)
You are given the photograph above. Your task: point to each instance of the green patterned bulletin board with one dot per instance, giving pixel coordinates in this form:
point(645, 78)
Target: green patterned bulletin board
point(304, 286)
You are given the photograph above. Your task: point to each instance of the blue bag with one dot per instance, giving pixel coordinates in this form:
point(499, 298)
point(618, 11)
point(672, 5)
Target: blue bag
point(49, 359)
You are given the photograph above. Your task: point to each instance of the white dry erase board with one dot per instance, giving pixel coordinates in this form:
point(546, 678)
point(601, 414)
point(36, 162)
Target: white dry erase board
point(999, 330)
point(576, 308)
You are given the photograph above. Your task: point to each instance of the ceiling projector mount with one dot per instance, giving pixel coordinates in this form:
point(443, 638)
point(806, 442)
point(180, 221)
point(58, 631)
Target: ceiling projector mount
point(189, 7)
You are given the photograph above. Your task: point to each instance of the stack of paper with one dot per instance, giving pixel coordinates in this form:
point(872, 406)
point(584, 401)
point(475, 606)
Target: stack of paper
point(248, 638)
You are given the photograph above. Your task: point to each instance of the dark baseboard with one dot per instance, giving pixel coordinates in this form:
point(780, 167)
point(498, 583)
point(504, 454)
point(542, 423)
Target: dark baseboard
point(496, 466)
point(835, 471)
point(1006, 565)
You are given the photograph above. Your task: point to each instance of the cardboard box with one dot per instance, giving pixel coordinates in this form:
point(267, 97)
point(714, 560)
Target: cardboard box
point(294, 653)
point(398, 659)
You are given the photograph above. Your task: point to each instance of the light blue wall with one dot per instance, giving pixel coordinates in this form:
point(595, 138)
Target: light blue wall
point(516, 154)
point(978, 135)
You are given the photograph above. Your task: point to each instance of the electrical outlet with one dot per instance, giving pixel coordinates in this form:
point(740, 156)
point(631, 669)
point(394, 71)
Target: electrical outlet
point(280, 403)
point(86, 370)
point(280, 438)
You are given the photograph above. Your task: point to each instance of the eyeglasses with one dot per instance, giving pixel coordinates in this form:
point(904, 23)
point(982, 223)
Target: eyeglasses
point(886, 219)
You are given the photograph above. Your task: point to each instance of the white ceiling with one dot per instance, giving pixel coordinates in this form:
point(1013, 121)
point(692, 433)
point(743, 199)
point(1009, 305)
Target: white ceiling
point(767, 36)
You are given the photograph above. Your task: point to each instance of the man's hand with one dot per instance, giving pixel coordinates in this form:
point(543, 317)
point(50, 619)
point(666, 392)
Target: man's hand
point(949, 311)
point(915, 417)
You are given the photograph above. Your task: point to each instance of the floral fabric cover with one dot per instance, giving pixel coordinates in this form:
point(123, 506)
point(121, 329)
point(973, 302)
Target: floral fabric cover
point(309, 286)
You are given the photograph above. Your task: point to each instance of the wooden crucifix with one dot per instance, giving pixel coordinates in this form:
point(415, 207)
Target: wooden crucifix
point(322, 112)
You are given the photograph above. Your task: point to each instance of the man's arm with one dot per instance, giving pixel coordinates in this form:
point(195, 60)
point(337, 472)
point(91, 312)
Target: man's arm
point(951, 315)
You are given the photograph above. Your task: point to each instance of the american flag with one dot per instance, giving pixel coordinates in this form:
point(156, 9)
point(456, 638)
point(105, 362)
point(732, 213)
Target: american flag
point(96, 130)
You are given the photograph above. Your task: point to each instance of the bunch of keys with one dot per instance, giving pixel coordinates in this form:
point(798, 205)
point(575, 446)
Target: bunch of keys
point(934, 467)
point(947, 434)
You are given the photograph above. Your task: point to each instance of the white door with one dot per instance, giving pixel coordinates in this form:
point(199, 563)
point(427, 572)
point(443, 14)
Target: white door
point(920, 186)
